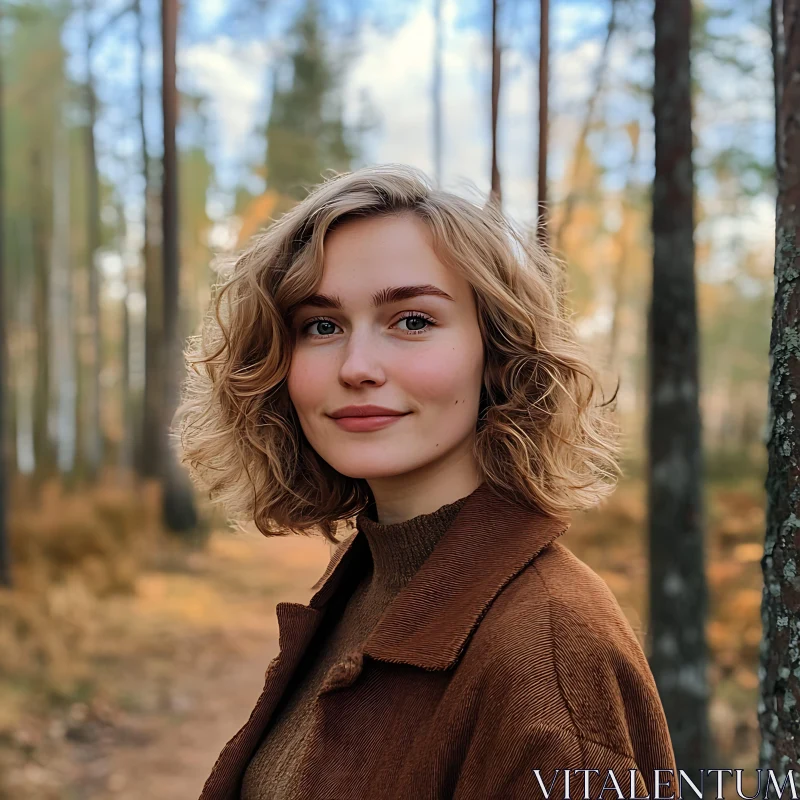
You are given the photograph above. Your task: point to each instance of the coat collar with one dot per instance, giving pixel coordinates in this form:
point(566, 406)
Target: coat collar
point(429, 622)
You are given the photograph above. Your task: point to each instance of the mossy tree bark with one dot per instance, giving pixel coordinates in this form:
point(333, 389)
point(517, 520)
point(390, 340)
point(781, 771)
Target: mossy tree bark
point(779, 670)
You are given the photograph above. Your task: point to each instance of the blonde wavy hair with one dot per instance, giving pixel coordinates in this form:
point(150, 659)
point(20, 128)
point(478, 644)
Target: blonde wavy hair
point(541, 437)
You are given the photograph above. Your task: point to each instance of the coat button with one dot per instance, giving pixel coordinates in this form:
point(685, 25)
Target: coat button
point(344, 672)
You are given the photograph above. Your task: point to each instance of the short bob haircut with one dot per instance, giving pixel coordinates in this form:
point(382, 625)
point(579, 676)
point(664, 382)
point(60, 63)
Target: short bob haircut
point(540, 437)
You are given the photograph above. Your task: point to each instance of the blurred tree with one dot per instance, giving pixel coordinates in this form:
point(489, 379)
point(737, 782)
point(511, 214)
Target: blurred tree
point(625, 248)
point(46, 218)
point(436, 90)
point(600, 77)
point(42, 443)
point(496, 192)
point(678, 593)
point(92, 440)
point(178, 499)
point(150, 437)
point(305, 132)
point(197, 178)
point(5, 550)
point(780, 609)
point(542, 213)
point(63, 342)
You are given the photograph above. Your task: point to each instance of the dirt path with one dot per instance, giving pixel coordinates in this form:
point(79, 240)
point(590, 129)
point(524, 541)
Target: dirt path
point(216, 619)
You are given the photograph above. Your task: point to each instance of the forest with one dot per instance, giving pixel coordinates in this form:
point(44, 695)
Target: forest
point(649, 143)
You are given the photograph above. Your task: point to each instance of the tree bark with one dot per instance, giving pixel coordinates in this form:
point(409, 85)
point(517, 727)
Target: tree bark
point(92, 440)
point(178, 500)
point(437, 92)
point(149, 436)
point(43, 447)
point(544, 69)
point(678, 593)
point(779, 669)
point(496, 194)
point(5, 549)
point(64, 349)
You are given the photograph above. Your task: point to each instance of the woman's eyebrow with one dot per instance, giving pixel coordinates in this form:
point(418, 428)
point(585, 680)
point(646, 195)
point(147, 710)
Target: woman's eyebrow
point(382, 297)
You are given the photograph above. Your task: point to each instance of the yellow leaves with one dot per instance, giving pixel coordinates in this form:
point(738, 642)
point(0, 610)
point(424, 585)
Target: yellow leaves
point(746, 603)
point(256, 215)
point(748, 551)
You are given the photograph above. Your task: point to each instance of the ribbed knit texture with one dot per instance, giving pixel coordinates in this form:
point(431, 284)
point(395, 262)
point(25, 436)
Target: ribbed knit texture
point(397, 551)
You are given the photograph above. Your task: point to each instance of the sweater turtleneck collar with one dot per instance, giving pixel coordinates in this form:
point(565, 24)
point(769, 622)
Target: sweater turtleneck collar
point(398, 550)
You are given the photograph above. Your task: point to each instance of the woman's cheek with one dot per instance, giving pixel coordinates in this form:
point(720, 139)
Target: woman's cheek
point(306, 381)
point(438, 377)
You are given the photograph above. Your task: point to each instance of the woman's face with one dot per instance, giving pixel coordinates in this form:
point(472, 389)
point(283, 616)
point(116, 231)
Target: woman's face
point(365, 342)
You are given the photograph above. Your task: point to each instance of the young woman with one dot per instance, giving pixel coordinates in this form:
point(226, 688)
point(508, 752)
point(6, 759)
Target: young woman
point(392, 352)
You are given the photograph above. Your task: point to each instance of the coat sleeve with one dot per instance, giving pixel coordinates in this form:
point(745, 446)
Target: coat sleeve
point(583, 699)
point(541, 763)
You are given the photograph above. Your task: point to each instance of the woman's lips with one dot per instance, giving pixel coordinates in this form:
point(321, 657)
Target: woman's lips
point(357, 424)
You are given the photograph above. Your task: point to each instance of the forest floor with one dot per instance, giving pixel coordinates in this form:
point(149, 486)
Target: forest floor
point(175, 672)
point(172, 670)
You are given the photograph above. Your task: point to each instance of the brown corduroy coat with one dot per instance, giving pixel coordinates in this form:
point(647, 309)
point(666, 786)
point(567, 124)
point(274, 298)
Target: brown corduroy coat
point(504, 655)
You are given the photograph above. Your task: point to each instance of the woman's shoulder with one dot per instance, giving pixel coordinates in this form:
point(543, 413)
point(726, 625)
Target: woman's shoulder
point(559, 587)
point(556, 637)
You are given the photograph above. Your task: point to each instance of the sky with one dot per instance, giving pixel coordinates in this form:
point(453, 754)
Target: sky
point(394, 71)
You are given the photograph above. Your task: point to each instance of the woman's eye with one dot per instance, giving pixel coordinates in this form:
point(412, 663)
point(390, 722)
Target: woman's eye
point(415, 323)
point(326, 327)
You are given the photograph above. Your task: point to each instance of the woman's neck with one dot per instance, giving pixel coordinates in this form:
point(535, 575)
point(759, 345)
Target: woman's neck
point(395, 502)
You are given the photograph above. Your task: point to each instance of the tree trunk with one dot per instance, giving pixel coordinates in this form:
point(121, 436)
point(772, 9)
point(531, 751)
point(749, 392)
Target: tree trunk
point(125, 455)
point(621, 267)
point(496, 194)
point(179, 510)
point(580, 147)
point(544, 59)
point(92, 440)
point(23, 351)
point(63, 353)
point(43, 447)
point(678, 593)
point(437, 92)
point(780, 608)
point(5, 549)
point(149, 436)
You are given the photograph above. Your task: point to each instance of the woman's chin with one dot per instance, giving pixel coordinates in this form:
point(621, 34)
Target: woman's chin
point(374, 468)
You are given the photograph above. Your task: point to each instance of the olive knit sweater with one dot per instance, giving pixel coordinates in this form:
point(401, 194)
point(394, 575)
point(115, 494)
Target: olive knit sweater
point(397, 551)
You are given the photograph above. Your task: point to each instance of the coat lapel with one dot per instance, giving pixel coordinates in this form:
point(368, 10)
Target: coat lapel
point(490, 541)
point(297, 624)
point(428, 623)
